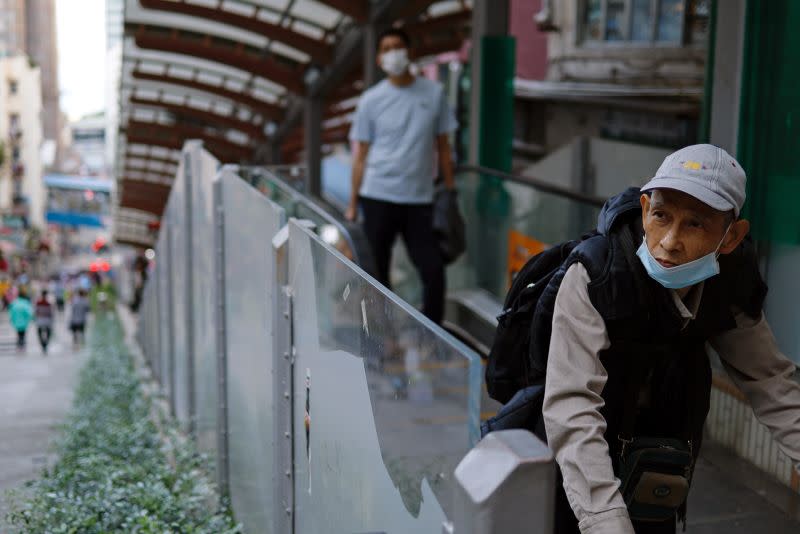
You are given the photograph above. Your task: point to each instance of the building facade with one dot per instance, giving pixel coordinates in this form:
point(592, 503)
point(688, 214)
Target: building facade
point(624, 81)
point(114, 31)
point(87, 154)
point(12, 27)
point(41, 47)
point(22, 191)
point(28, 27)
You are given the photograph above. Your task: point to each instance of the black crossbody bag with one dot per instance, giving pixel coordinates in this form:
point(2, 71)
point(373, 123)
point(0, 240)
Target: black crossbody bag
point(655, 473)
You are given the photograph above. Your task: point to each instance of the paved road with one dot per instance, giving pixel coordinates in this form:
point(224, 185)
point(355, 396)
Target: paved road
point(35, 395)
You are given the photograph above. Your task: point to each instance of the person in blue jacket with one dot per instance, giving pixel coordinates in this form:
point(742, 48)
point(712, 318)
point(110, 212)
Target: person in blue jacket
point(20, 314)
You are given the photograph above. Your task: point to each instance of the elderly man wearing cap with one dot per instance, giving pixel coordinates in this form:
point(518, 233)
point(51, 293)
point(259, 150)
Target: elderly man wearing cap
point(628, 377)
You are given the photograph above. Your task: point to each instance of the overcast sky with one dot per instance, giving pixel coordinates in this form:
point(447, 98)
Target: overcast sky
point(81, 55)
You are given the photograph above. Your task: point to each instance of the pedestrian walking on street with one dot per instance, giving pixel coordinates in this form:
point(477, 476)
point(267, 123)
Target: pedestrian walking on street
point(44, 320)
point(400, 129)
point(10, 294)
point(5, 285)
point(20, 314)
point(58, 292)
point(79, 309)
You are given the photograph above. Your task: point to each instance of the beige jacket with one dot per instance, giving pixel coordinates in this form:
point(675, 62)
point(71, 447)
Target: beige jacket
point(575, 381)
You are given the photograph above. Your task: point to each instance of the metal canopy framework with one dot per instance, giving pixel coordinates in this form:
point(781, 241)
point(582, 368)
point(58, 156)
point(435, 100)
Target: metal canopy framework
point(236, 74)
point(133, 226)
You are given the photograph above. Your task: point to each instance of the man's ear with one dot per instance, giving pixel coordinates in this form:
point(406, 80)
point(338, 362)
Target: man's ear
point(736, 234)
point(644, 200)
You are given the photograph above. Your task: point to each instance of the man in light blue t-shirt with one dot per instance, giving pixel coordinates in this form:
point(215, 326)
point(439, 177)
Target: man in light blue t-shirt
point(399, 126)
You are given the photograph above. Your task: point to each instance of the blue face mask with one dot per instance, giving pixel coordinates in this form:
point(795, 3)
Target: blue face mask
point(680, 276)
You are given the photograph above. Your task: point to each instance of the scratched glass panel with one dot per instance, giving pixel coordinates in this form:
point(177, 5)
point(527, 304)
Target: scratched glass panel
point(251, 221)
point(385, 403)
point(178, 264)
point(164, 294)
point(203, 308)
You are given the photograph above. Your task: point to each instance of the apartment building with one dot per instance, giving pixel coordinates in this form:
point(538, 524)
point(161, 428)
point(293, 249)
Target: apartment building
point(22, 191)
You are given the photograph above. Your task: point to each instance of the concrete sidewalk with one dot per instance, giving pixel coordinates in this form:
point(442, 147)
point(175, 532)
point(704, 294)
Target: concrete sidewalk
point(731, 496)
point(35, 395)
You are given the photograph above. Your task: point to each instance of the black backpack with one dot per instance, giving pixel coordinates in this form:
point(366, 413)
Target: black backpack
point(517, 363)
point(510, 366)
point(513, 376)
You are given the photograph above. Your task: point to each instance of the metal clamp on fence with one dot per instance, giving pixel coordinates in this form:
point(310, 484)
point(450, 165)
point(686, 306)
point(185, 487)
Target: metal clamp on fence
point(506, 483)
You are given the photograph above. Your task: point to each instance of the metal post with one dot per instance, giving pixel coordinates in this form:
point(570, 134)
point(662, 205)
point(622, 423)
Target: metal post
point(282, 387)
point(583, 180)
point(275, 153)
point(726, 78)
point(371, 72)
point(222, 346)
point(155, 279)
point(188, 176)
point(313, 144)
point(170, 322)
point(489, 17)
point(506, 483)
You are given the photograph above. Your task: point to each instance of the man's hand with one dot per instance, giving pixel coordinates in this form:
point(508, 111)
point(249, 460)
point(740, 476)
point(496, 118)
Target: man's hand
point(446, 161)
point(359, 160)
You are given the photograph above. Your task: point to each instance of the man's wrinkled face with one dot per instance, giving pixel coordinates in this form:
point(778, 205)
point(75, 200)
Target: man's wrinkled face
point(679, 228)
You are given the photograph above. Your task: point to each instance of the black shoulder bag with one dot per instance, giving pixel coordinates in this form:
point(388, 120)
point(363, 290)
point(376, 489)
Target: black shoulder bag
point(655, 473)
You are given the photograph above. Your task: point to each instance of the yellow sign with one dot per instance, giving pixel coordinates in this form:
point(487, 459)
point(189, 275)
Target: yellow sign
point(521, 248)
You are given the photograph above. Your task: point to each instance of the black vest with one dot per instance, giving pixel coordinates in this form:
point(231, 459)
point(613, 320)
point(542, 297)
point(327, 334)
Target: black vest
point(648, 341)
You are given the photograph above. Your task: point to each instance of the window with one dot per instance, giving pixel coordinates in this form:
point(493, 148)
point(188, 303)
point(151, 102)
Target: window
point(670, 22)
point(12, 86)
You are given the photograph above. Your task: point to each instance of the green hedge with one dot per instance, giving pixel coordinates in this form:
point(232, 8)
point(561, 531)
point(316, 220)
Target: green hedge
point(113, 472)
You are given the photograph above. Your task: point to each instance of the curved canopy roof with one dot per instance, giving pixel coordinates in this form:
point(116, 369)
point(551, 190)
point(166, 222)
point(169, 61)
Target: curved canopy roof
point(233, 73)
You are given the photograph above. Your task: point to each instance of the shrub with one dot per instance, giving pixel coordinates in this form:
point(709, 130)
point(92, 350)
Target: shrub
point(112, 474)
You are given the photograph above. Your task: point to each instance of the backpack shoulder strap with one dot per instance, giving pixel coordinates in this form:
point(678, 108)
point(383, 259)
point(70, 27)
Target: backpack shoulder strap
point(592, 253)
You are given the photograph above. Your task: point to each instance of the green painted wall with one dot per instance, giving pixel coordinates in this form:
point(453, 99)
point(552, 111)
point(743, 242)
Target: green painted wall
point(498, 67)
point(769, 130)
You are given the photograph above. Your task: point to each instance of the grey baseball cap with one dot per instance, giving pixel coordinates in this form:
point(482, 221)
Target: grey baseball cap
point(705, 172)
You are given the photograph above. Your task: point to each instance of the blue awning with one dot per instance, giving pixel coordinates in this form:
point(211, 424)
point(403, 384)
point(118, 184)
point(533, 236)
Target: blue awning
point(66, 181)
point(69, 218)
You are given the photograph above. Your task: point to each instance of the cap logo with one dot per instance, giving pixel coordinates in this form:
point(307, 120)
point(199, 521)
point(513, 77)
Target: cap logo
point(693, 165)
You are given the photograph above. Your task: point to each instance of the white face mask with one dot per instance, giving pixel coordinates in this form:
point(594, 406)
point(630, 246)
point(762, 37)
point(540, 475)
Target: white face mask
point(685, 275)
point(395, 62)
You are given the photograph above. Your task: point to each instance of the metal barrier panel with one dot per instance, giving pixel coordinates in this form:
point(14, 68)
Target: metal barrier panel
point(153, 323)
point(145, 332)
point(203, 346)
point(176, 229)
point(149, 331)
point(164, 322)
point(385, 403)
point(250, 222)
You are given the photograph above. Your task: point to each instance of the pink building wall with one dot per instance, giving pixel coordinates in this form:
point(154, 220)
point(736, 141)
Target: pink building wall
point(531, 43)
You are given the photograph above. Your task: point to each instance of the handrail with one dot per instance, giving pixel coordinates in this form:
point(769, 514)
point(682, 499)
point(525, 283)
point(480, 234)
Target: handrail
point(306, 201)
point(536, 183)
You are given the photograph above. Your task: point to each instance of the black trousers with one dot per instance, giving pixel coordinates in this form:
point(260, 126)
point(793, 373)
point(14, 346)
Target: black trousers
point(44, 336)
point(21, 339)
point(383, 221)
point(77, 332)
